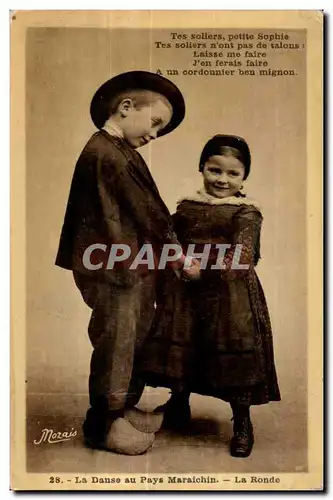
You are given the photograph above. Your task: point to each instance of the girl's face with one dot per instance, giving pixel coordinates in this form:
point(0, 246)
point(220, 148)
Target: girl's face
point(223, 175)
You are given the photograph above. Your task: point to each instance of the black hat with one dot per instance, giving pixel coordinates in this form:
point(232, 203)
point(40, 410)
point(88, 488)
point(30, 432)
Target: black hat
point(214, 145)
point(133, 80)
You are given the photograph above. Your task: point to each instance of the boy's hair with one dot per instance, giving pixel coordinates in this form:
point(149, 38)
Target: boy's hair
point(140, 99)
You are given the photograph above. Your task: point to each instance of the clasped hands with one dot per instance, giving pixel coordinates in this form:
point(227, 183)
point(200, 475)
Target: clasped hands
point(191, 269)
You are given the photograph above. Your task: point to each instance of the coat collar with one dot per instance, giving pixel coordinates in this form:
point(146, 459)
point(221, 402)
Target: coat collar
point(201, 196)
point(113, 129)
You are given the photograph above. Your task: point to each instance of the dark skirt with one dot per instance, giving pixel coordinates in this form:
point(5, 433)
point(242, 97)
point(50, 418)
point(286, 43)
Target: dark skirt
point(214, 337)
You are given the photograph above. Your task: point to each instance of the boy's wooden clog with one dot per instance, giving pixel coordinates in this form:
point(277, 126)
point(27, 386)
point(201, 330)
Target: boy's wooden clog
point(144, 421)
point(123, 438)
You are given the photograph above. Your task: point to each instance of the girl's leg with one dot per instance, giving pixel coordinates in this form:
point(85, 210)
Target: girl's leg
point(180, 391)
point(177, 411)
point(242, 442)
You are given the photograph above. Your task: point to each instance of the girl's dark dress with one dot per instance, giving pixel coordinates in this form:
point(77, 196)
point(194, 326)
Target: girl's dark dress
point(214, 335)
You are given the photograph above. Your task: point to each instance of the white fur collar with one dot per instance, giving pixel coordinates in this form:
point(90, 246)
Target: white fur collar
point(201, 196)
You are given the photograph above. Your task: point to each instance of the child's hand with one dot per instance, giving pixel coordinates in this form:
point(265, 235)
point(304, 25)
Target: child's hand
point(192, 273)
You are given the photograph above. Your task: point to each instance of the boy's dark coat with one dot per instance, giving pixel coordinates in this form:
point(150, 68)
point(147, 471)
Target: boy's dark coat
point(113, 199)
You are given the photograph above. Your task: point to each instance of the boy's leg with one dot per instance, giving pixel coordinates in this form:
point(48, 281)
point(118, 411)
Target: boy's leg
point(120, 322)
point(142, 420)
point(112, 331)
point(144, 322)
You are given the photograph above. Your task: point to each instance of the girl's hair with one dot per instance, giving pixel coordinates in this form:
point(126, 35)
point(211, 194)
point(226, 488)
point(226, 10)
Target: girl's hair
point(227, 145)
point(230, 151)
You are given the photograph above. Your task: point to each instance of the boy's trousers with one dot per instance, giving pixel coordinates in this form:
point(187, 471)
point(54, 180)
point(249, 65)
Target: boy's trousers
point(120, 322)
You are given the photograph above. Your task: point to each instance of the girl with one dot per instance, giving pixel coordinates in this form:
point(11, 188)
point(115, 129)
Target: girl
point(213, 336)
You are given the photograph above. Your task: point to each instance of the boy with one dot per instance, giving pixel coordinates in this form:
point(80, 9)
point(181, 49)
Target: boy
point(114, 201)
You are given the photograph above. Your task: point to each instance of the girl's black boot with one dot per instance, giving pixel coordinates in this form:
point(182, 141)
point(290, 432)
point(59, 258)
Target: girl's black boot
point(242, 441)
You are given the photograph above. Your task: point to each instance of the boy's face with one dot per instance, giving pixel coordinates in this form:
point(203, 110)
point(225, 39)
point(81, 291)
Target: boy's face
point(223, 175)
point(141, 125)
